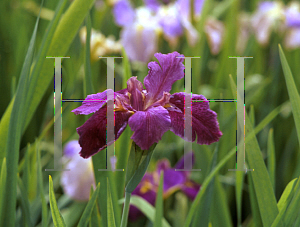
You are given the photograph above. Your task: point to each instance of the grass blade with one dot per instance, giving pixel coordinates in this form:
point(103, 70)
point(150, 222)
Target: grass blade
point(254, 204)
point(202, 215)
point(261, 180)
point(14, 134)
point(288, 204)
point(56, 215)
point(41, 187)
point(288, 191)
point(159, 203)
point(147, 209)
point(292, 90)
point(89, 208)
point(25, 202)
point(110, 210)
point(220, 214)
point(2, 189)
point(88, 86)
point(238, 194)
point(271, 158)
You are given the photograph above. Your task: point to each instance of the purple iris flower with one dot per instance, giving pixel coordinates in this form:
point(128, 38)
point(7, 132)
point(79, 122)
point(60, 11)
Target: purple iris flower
point(149, 112)
point(173, 181)
point(142, 26)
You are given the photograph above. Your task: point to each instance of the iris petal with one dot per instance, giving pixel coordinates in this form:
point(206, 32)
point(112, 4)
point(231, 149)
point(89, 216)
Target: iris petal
point(204, 120)
point(92, 134)
point(149, 126)
point(92, 103)
point(135, 88)
point(161, 76)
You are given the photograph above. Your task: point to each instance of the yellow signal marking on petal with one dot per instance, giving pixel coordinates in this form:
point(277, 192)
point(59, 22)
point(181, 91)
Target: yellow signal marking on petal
point(167, 105)
point(146, 187)
point(171, 191)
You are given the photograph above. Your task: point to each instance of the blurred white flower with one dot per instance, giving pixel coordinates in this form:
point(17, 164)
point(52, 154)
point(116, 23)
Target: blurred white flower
point(268, 17)
point(100, 45)
point(244, 31)
point(214, 30)
point(78, 180)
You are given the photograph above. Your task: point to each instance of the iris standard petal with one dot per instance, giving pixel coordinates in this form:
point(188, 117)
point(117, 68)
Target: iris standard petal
point(135, 88)
point(161, 76)
point(123, 12)
point(204, 120)
point(92, 134)
point(149, 126)
point(92, 103)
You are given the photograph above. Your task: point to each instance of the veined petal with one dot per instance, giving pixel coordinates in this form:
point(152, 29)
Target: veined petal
point(204, 121)
point(123, 12)
point(135, 88)
point(92, 103)
point(92, 134)
point(161, 76)
point(149, 126)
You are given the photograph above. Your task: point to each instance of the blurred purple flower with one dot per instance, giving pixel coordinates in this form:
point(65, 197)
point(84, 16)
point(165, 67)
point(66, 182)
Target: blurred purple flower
point(292, 14)
point(173, 181)
point(149, 112)
point(142, 26)
point(78, 181)
point(292, 38)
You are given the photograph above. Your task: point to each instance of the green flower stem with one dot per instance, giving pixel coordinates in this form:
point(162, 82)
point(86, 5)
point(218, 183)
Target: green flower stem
point(125, 210)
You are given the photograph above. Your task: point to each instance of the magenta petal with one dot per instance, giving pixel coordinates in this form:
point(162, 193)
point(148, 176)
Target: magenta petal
point(161, 76)
point(92, 134)
point(92, 103)
point(180, 163)
point(149, 126)
point(204, 120)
